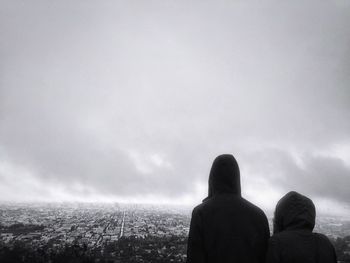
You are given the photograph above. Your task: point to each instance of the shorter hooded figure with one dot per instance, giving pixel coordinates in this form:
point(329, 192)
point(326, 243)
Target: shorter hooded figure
point(226, 228)
point(293, 240)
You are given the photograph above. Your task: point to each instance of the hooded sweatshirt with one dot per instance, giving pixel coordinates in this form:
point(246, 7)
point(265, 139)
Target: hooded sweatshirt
point(293, 240)
point(226, 227)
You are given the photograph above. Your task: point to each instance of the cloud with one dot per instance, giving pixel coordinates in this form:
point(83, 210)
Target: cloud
point(119, 99)
point(312, 174)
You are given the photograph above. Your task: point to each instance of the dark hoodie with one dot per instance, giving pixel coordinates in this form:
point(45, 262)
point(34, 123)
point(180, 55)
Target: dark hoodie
point(293, 240)
point(226, 227)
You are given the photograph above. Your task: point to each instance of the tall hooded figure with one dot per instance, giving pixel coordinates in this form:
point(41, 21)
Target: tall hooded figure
point(226, 228)
point(293, 240)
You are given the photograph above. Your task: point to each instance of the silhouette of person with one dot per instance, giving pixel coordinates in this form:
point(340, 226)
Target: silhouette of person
point(293, 239)
point(225, 227)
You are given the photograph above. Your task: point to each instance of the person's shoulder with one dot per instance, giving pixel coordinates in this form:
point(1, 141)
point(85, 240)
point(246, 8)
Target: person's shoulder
point(206, 203)
point(198, 209)
point(322, 238)
point(231, 200)
point(282, 239)
point(254, 209)
point(325, 247)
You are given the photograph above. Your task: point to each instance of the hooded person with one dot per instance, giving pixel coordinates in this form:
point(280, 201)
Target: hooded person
point(226, 227)
point(293, 240)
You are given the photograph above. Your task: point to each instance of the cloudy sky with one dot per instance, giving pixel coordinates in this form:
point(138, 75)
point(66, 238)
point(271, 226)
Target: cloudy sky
point(132, 100)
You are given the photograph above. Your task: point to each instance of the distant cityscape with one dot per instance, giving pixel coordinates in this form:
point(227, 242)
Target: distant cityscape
point(113, 233)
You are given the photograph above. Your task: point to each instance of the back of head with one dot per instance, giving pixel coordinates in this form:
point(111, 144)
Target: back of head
point(294, 211)
point(224, 176)
point(233, 229)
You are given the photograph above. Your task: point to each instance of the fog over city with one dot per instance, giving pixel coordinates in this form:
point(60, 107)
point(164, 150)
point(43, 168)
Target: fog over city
point(130, 101)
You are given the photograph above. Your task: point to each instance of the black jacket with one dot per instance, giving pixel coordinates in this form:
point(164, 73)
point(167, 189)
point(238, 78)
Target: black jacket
point(226, 228)
point(293, 240)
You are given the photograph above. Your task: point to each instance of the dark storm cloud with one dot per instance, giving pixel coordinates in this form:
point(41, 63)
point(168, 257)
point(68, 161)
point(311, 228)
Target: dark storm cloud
point(319, 176)
point(52, 143)
point(326, 177)
point(129, 98)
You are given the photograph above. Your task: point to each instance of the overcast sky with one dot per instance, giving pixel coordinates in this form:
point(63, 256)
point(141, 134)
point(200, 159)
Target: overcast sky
point(132, 100)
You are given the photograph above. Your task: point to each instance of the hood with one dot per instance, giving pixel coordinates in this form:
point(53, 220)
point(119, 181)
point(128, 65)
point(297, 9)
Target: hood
point(294, 211)
point(224, 176)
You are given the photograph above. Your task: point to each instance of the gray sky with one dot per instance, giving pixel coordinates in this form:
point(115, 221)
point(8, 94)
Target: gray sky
point(132, 100)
